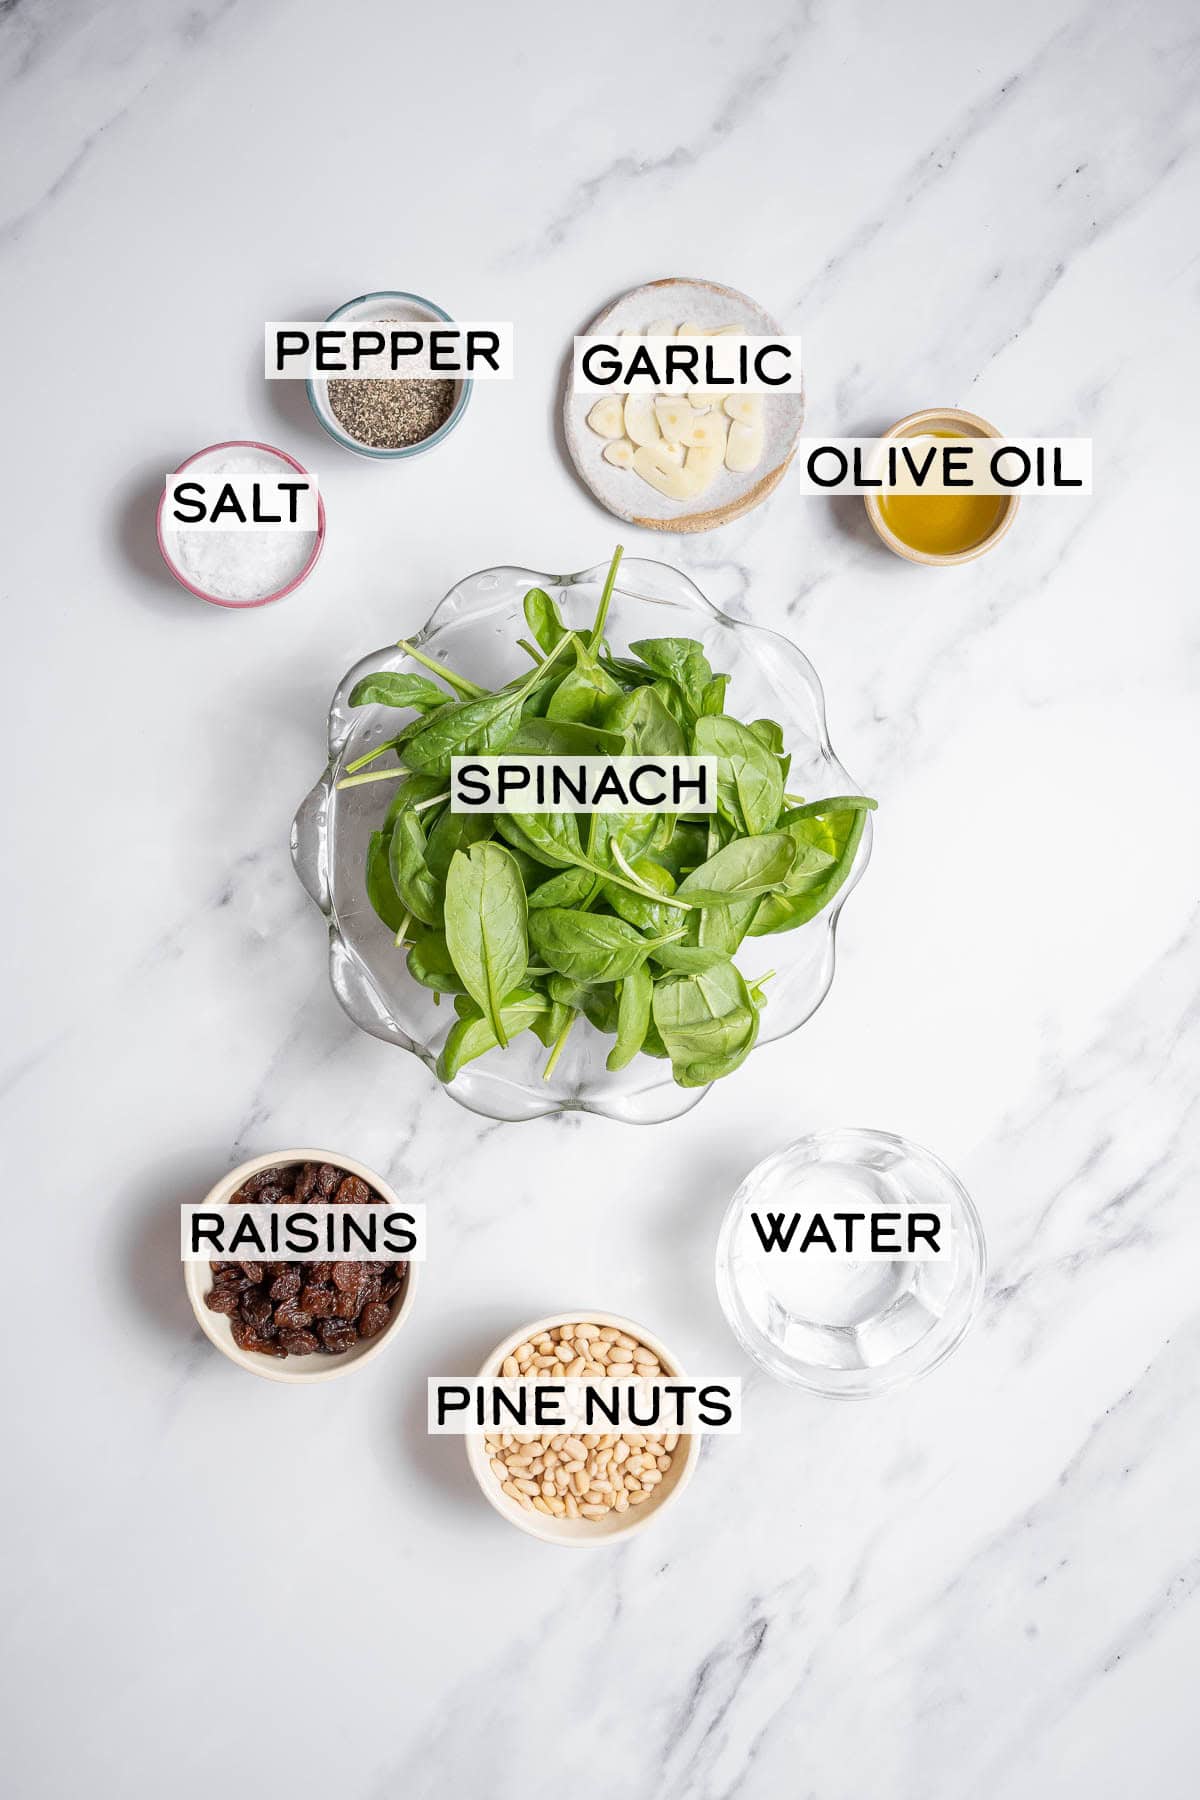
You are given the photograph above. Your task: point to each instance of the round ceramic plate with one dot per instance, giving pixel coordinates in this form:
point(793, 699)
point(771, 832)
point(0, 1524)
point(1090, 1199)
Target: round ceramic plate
point(623, 491)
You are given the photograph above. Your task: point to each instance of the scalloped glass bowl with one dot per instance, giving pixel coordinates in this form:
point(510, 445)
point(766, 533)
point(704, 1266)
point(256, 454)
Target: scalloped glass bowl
point(475, 630)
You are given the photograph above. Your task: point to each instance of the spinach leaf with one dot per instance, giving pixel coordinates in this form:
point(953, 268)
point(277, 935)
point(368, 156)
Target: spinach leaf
point(553, 1023)
point(562, 737)
point(600, 1005)
point(588, 947)
point(412, 879)
point(452, 832)
point(544, 619)
point(744, 867)
point(385, 688)
point(639, 910)
point(569, 888)
point(582, 695)
point(550, 838)
point(646, 725)
point(381, 891)
point(485, 916)
point(681, 660)
point(475, 1034)
point(712, 700)
point(633, 1017)
point(784, 912)
point(707, 1021)
point(749, 779)
point(430, 962)
point(470, 727)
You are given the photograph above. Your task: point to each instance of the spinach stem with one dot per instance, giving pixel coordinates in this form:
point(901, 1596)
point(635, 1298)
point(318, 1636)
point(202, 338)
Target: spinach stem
point(380, 750)
point(348, 781)
point(405, 922)
point(468, 689)
point(529, 649)
point(642, 887)
point(605, 597)
point(559, 1043)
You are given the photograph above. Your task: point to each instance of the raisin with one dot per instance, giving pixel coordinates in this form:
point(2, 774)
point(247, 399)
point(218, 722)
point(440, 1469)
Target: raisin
point(321, 1273)
point(253, 1183)
point(318, 1301)
point(336, 1336)
point(222, 1300)
point(252, 1271)
point(306, 1181)
point(353, 1192)
point(348, 1305)
point(286, 1284)
point(270, 1196)
point(374, 1318)
point(392, 1285)
point(255, 1308)
point(291, 1316)
point(298, 1343)
point(347, 1276)
point(327, 1179)
point(246, 1338)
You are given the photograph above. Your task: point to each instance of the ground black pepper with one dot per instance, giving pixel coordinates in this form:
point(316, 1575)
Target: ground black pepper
point(386, 415)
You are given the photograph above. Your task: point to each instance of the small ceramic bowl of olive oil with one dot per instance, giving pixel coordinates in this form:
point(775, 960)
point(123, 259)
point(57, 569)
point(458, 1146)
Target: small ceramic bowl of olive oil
point(941, 528)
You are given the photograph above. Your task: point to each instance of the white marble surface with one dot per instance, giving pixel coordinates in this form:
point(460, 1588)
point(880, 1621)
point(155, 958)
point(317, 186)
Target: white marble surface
point(984, 1586)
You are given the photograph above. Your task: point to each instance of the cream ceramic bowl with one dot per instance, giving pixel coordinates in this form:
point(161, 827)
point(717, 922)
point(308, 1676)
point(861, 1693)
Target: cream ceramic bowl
point(198, 1279)
point(583, 1534)
point(961, 424)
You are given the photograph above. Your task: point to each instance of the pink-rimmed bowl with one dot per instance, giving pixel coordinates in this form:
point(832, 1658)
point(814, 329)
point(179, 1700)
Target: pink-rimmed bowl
point(281, 593)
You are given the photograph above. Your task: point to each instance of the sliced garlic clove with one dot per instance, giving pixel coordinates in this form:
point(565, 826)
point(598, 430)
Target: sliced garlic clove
point(746, 408)
point(607, 417)
point(661, 328)
point(675, 481)
point(640, 422)
point(689, 328)
point(709, 431)
point(674, 417)
point(702, 465)
point(743, 451)
point(619, 453)
point(703, 398)
point(669, 453)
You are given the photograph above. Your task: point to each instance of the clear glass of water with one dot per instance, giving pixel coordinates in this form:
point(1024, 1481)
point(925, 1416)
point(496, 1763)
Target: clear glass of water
point(836, 1325)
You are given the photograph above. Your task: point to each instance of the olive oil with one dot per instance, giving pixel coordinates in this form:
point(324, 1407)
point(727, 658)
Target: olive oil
point(942, 524)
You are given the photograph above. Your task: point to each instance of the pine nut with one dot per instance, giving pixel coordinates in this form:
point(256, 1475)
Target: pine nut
point(597, 1472)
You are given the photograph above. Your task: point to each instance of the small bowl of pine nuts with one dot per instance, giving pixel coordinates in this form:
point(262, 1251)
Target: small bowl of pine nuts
point(591, 1489)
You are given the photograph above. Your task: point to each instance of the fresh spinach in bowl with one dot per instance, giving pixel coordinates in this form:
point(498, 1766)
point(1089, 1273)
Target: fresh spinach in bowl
point(631, 921)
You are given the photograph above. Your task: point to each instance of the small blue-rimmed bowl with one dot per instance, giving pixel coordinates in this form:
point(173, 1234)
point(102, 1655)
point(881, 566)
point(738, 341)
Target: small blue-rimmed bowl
point(391, 304)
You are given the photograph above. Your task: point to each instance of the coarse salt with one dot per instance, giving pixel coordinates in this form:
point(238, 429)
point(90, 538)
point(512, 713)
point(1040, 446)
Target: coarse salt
point(241, 565)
